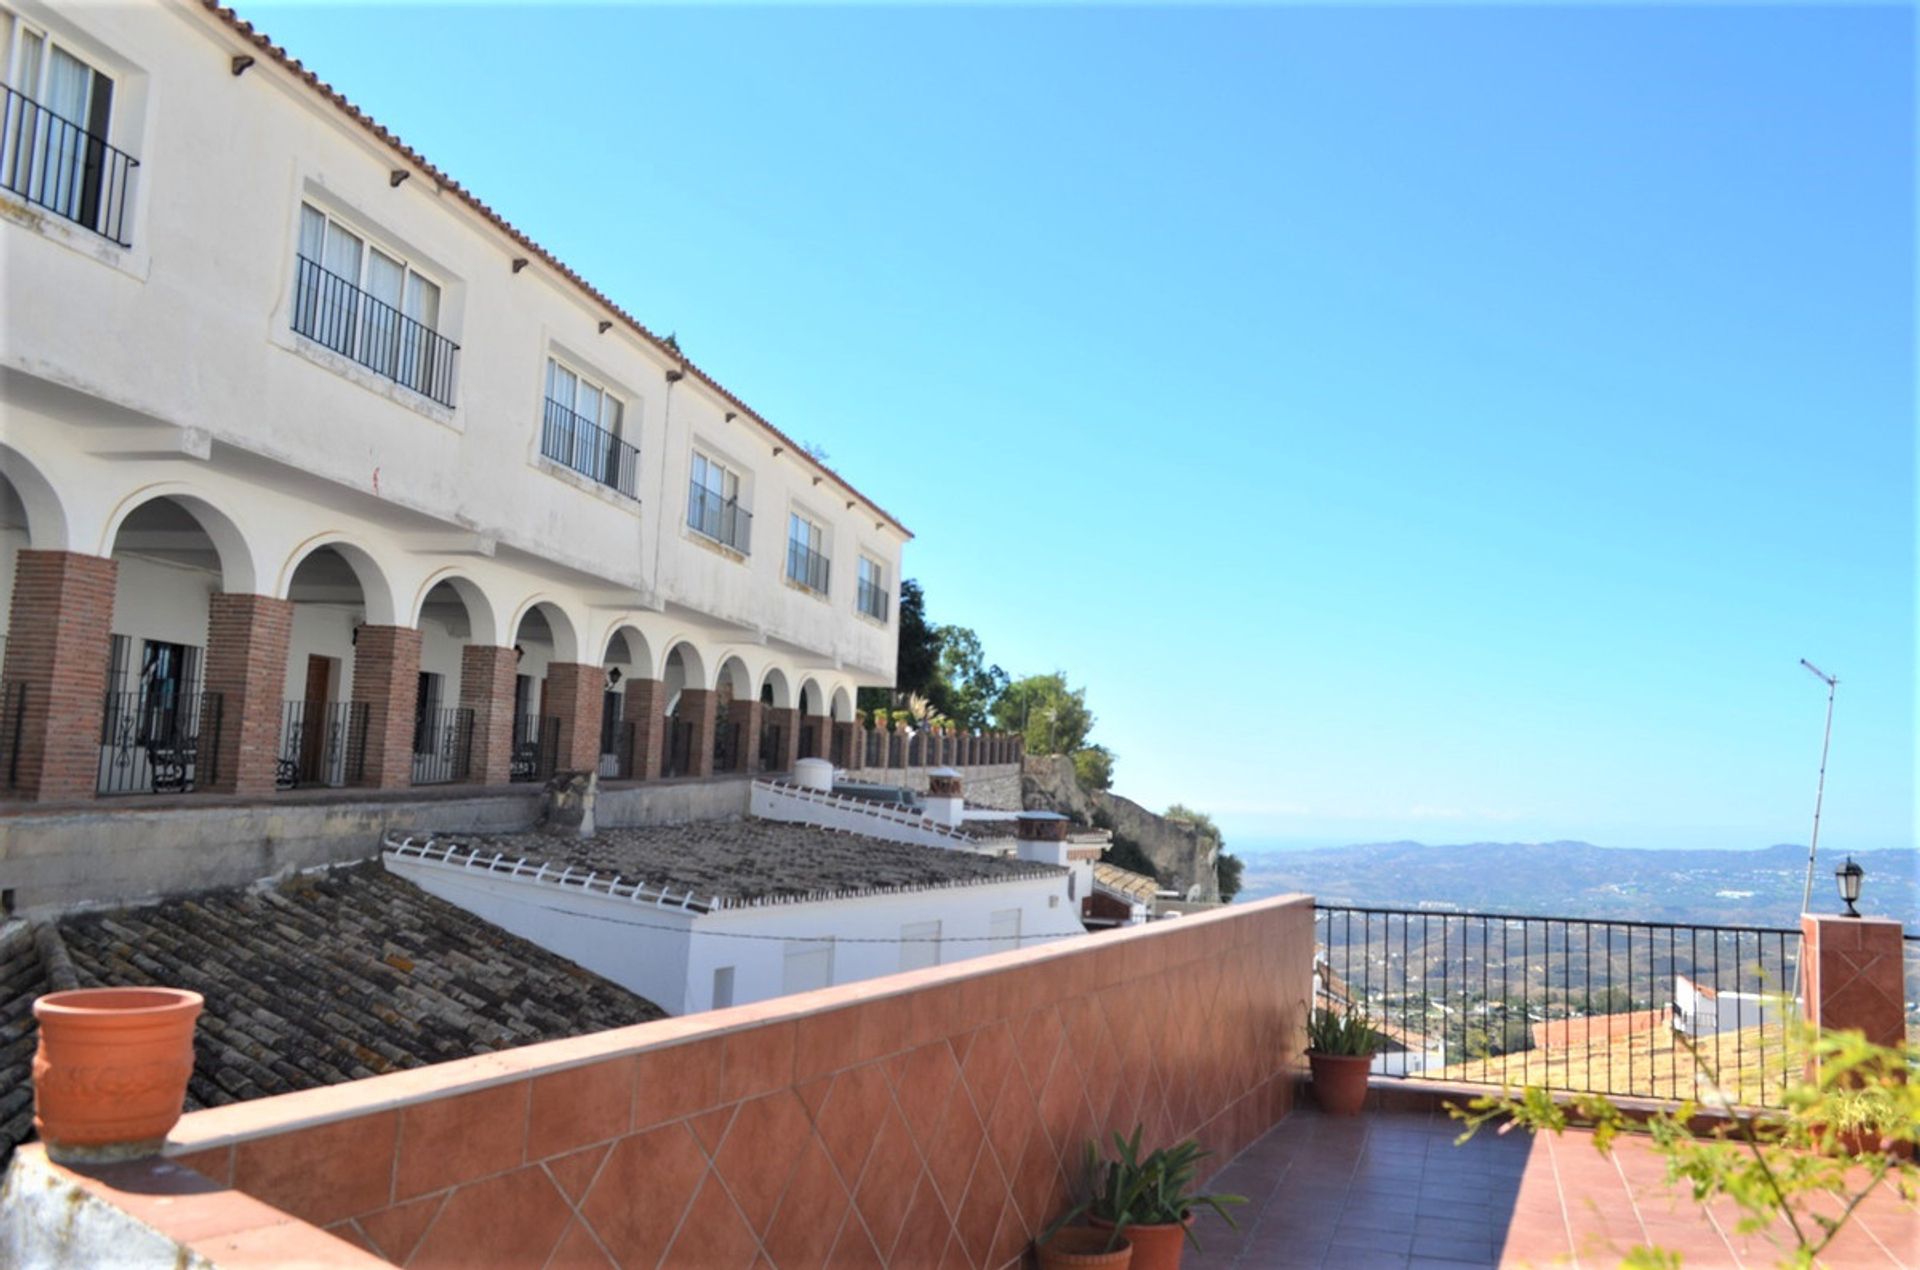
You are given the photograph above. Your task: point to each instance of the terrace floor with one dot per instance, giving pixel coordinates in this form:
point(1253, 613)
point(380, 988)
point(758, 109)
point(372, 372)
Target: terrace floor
point(1390, 1190)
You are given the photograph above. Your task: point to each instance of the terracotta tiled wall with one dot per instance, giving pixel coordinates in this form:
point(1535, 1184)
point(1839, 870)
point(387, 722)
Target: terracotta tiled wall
point(930, 1119)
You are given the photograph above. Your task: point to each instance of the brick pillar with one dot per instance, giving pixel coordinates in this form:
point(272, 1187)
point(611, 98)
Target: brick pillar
point(573, 697)
point(58, 636)
point(788, 721)
point(849, 737)
point(1853, 975)
point(386, 679)
point(696, 707)
point(822, 735)
point(246, 663)
point(747, 715)
point(486, 688)
point(645, 708)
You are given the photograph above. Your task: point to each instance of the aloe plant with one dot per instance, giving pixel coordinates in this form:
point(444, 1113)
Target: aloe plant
point(1151, 1190)
point(1347, 1033)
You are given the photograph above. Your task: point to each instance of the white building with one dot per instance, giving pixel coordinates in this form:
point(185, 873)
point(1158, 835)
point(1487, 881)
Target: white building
point(726, 913)
point(315, 471)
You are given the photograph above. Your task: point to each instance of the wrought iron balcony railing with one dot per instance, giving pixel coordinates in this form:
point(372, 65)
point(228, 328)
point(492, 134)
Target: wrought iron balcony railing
point(56, 164)
point(1649, 1009)
point(806, 566)
point(873, 600)
point(723, 520)
point(576, 442)
point(331, 311)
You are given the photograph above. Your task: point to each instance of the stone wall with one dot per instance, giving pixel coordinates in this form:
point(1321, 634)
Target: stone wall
point(1183, 857)
point(998, 786)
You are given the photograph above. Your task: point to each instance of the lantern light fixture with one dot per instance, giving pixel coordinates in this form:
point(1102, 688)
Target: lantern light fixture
point(1848, 877)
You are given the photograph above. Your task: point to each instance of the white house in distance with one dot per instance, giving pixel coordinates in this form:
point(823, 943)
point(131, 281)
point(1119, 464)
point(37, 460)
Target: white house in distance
point(703, 916)
point(314, 471)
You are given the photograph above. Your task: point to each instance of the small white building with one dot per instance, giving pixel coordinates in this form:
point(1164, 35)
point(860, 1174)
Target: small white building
point(702, 916)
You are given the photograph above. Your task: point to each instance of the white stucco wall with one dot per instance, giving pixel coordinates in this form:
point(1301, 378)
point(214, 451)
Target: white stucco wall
point(669, 955)
point(170, 368)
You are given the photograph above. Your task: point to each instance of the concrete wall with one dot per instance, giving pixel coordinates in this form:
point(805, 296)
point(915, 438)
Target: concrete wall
point(170, 368)
point(123, 851)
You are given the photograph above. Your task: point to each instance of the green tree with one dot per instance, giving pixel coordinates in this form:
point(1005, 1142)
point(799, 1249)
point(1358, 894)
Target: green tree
point(1093, 767)
point(1053, 718)
point(1229, 868)
point(917, 669)
point(968, 683)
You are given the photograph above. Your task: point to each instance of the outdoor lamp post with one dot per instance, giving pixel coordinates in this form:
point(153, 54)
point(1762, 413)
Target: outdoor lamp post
point(1847, 877)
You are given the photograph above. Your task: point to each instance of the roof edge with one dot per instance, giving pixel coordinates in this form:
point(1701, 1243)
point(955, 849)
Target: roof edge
point(260, 40)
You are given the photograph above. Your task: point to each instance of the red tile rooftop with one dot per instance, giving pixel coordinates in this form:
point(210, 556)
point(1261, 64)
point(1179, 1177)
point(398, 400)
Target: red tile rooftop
point(1389, 1189)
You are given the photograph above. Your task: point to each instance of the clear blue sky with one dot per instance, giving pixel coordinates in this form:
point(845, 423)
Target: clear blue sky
point(1449, 423)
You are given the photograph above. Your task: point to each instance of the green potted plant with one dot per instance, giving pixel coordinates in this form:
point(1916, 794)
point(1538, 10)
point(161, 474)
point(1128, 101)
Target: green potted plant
point(1147, 1200)
point(1064, 1247)
point(1340, 1049)
point(1860, 1121)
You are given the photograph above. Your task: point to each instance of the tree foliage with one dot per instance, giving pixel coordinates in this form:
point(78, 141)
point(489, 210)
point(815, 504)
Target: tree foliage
point(1051, 716)
point(969, 683)
point(1093, 767)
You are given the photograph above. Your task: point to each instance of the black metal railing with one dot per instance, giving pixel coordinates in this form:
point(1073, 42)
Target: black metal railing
point(616, 750)
point(325, 746)
point(772, 747)
point(723, 520)
point(330, 310)
point(728, 739)
point(1912, 980)
point(806, 566)
point(873, 600)
point(442, 745)
point(536, 746)
point(1591, 1006)
point(158, 741)
point(13, 723)
point(54, 163)
point(576, 442)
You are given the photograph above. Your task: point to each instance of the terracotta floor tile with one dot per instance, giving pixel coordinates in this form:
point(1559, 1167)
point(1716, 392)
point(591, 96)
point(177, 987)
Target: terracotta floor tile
point(396, 1231)
point(757, 1061)
point(760, 1152)
point(888, 1186)
point(714, 1235)
point(676, 1081)
point(854, 1249)
point(807, 1221)
point(924, 1229)
point(850, 1118)
point(581, 1105)
point(454, 1140)
point(578, 1250)
point(515, 1219)
point(324, 1173)
point(574, 1173)
point(647, 1183)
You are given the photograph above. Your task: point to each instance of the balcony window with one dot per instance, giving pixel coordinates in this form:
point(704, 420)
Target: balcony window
point(367, 303)
point(581, 430)
point(53, 133)
point(713, 505)
point(806, 554)
point(872, 597)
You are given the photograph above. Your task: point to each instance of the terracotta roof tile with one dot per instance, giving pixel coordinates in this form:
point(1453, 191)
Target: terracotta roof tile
point(323, 978)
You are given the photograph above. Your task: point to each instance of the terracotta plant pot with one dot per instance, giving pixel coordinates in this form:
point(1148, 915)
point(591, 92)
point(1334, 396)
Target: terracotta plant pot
point(1340, 1082)
point(110, 1074)
point(1154, 1247)
point(1083, 1248)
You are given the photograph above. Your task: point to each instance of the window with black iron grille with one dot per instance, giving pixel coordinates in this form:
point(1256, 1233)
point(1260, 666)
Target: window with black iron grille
point(368, 303)
point(806, 553)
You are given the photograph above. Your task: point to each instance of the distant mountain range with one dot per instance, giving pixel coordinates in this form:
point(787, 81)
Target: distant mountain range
point(1577, 879)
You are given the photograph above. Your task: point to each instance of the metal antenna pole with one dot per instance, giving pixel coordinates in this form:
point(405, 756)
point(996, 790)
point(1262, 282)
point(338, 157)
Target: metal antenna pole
point(1820, 791)
point(1819, 796)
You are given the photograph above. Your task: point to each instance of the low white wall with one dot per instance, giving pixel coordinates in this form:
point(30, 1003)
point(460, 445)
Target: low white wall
point(669, 955)
point(853, 815)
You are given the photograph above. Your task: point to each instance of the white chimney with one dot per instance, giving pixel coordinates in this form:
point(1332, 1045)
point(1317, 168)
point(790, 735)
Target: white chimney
point(813, 773)
point(944, 805)
point(1043, 837)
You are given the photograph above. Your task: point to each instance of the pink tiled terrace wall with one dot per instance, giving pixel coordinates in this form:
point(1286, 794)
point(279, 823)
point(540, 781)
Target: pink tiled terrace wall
point(930, 1119)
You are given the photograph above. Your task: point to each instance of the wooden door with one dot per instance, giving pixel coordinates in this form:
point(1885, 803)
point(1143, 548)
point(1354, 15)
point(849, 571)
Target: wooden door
point(313, 719)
